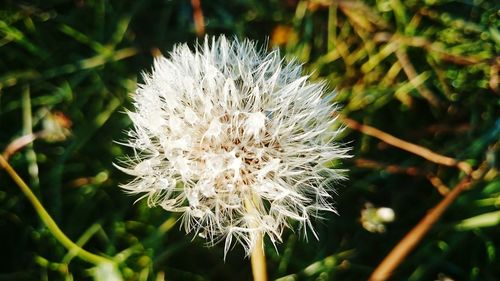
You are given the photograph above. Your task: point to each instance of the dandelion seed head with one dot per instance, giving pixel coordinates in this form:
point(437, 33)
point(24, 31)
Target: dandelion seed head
point(235, 139)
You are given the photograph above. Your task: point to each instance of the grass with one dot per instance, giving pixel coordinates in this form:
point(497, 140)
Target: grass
point(423, 71)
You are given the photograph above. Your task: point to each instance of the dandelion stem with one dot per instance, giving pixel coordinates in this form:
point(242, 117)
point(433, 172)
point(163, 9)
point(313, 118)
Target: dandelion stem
point(257, 256)
point(49, 222)
point(258, 260)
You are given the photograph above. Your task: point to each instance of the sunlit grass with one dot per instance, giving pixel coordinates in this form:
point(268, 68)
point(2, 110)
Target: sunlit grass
point(423, 71)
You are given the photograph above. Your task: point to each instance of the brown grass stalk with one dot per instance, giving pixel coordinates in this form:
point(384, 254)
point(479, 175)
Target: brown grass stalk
point(403, 248)
point(408, 146)
point(199, 21)
point(410, 171)
point(410, 71)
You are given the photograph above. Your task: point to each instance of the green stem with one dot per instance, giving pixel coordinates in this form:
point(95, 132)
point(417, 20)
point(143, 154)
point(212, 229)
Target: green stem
point(49, 222)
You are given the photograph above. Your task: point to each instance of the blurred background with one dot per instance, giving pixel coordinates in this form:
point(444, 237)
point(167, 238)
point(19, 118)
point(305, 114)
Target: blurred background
point(425, 71)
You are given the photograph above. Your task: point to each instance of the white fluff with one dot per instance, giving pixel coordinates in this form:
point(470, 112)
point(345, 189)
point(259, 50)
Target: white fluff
point(235, 139)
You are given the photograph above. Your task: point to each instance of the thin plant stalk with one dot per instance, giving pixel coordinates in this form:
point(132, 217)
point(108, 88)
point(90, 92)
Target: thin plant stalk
point(257, 255)
point(410, 241)
point(258, 260)
point(49, 222)
point(408, 146)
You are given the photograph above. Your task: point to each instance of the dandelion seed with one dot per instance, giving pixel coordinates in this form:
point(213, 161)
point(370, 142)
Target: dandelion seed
point(235, 139)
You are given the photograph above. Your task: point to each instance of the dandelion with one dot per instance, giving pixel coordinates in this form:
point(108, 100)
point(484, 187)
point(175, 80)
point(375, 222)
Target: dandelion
point(236, 140)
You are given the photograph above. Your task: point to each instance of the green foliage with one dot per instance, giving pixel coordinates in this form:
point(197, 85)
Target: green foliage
point(424, 71)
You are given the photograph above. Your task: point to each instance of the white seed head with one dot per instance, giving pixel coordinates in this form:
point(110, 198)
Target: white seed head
point(234, 139)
